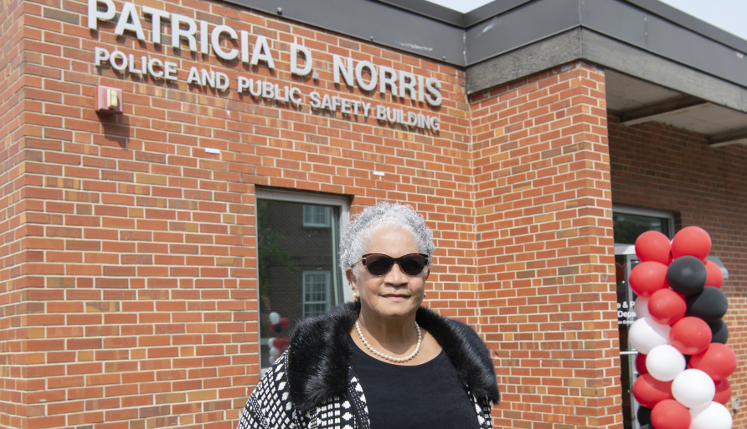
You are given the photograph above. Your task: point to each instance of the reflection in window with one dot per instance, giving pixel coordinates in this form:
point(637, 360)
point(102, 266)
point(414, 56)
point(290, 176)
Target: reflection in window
point(315, 216)
point(628, 227)
point(296, 268)
point(315, 293)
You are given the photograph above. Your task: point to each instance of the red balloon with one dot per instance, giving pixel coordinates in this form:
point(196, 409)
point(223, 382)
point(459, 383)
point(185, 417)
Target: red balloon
point(691, 335)
point(691, 241)
point(284, 321)
point(667, 306)
point(653, 246)
point(649, 391)
point(648, 277)
point(718, 360)
point(715, 275)
point(281, 342)
point(670, 414)
point(723, 392)
point(640, 364)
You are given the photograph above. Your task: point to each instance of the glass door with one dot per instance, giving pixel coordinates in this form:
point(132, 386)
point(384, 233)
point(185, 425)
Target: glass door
point(628, 224)
point(624, 263)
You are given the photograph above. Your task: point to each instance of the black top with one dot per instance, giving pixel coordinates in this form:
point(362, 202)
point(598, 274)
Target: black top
point(429, 395)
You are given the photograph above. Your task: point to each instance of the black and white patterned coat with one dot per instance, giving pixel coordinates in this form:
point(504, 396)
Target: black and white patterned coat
point(312, 385)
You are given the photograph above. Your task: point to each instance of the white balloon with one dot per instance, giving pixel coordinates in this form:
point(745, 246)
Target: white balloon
point(274, 353)
point(641, 307)
point(664, 363)
point(270, 342)
point(713, 416)
point(274, 317)
point(693, 388)
point(646, 333)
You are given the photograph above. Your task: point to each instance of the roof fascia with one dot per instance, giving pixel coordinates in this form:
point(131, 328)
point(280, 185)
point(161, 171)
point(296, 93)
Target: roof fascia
point(692, 23)
point(374, 21)
point(589, 45)
point(431, 10)
point(505, 26)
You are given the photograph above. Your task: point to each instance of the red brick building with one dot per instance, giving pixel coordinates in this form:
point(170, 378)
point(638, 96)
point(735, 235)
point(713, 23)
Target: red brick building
point(132, 243)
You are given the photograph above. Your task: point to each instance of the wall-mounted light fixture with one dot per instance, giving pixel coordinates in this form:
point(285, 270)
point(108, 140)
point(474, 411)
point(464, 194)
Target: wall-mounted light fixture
point(108, 100)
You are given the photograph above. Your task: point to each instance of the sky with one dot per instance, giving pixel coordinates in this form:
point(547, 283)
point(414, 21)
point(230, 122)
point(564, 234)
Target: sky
point(728, 15)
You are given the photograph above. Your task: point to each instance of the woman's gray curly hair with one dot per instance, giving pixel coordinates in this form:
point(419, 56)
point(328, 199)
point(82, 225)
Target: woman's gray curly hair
point(361, 230)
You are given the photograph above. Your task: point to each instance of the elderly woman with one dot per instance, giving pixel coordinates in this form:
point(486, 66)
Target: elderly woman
point(382, 361)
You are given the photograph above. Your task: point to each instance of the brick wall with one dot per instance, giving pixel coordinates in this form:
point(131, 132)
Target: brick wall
point(136, 303)
point(128, 289)
point(15, 111)
point(660, 167)
point(544, 240)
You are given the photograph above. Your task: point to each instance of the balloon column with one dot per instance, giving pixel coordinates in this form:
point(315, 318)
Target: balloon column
point(680, 306)
point(277, 344)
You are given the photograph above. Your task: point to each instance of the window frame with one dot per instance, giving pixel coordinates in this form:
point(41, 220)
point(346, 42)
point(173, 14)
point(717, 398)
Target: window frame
point(342, 202)
point(629, 249)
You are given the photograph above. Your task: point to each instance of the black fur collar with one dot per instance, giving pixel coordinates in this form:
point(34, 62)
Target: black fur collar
point(318, 355)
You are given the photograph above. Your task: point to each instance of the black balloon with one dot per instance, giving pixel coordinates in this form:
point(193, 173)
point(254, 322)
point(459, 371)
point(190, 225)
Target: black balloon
point(647, 426)
point(710, 304)
point(644, 416)
point(720, 332)
point(687, 275)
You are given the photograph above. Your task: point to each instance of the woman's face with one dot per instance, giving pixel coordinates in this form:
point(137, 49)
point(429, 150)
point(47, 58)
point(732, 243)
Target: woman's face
point(394, 294)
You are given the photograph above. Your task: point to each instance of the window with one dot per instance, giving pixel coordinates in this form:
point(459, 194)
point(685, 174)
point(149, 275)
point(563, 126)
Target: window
point(316, 216)
point(297, 274)
point(315, 293)
point(628, 223)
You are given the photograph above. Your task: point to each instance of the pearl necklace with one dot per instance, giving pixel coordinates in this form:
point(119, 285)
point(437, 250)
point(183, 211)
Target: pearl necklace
point(387, 357)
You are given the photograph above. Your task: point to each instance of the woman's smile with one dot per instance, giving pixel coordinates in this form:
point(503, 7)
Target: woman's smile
point(396, 297)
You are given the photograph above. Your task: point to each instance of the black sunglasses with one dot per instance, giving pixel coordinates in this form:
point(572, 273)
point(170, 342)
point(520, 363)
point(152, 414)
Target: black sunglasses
point(379, 264)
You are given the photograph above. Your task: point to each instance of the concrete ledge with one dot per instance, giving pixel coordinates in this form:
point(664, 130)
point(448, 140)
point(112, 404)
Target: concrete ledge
point(525, 61)
point(584, 44)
